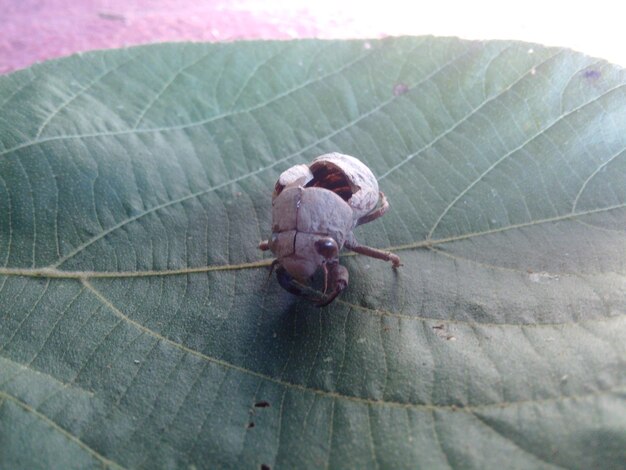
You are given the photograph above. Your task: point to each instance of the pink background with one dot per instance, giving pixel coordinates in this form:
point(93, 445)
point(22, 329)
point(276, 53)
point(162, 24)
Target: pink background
point(36, 30)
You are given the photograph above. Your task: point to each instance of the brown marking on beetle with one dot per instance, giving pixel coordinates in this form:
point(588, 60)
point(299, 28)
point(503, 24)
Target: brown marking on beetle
point(332, 178)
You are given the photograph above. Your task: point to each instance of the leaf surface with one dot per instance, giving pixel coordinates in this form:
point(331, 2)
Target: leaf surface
point(137, 329)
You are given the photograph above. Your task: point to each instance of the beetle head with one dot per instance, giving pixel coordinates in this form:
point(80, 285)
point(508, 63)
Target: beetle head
point(311, 253)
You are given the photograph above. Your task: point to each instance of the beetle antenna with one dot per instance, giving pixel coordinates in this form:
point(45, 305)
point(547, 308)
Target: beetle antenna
point(325, 277)
point(272, 266)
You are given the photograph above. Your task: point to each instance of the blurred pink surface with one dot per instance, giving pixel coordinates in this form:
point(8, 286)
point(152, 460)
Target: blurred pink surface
point(37, 30)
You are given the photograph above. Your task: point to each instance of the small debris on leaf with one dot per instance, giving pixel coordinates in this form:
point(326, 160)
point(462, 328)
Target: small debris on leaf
point(591, 74)
point(542, 277)
point(400, 89)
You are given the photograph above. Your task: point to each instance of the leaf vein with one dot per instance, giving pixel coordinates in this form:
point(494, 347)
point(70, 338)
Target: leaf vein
point(196, 194)
point(56, 323)
point(27, 316)
point(252, 74)
point(32, 78)
point(370, 435)
point(495, 164)
point(433, 415)
point(511, 152)
point(410, 157)
point(164, 88)
point(524, 449)
point(77, 95)
point(186, 125)
point(68, 435)
point(331, 394)
point(593, 175)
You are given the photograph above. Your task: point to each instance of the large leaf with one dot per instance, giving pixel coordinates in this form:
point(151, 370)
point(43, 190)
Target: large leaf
point(137, 328)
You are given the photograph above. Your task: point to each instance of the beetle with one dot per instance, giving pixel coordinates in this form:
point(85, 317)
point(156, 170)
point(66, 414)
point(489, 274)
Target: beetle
point(315, 208)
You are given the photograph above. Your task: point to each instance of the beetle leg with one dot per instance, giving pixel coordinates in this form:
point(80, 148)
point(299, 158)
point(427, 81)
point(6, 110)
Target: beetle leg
point(338, 280)
point(376, 213)
point(272, 266)
point(353, 245)
point(287, 282)
point(325, 268)
point(264, 245)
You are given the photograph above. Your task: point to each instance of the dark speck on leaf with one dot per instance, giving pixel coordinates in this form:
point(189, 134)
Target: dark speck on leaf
point(250, 425)
point(265, 467)
point(262, 404)
point(592, 74)
point(111, 16)
point(400, 89)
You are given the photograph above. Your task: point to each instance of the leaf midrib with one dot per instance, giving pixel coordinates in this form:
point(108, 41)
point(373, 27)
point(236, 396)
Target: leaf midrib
point(52, 272)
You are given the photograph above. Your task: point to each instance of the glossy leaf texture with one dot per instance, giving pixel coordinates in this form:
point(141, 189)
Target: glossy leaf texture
point(137, 325)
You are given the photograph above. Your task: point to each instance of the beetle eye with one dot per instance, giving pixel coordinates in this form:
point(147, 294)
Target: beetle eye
point(327, 247)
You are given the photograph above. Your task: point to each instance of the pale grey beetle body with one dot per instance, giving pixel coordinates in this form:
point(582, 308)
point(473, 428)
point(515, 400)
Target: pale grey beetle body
point(314, 210)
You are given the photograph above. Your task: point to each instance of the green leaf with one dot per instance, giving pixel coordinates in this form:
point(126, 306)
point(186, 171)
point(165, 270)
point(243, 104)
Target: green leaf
point(137, 325)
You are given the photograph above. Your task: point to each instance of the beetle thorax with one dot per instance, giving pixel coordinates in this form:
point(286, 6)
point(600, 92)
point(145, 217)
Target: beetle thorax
point(309, 227)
